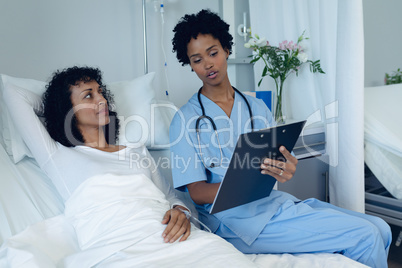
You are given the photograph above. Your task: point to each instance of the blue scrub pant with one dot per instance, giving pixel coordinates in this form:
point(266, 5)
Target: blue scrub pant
point(312, 226)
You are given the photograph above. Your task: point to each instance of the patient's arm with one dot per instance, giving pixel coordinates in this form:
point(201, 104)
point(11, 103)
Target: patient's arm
point(21, 105)
point(178, 225)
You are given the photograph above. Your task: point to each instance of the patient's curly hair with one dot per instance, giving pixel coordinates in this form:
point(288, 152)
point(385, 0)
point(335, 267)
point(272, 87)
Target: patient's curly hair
point(204, 22)
point(60, 120)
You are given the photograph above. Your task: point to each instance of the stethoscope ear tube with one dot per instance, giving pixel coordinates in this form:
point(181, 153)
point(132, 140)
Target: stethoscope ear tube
point(203, 116)
point(197, 123)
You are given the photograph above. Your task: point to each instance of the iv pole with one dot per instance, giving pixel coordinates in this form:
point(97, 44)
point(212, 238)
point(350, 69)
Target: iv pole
point(144, 29)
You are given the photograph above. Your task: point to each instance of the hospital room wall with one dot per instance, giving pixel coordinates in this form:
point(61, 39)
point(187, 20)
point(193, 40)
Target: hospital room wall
point(383, 50)
point(38, 37)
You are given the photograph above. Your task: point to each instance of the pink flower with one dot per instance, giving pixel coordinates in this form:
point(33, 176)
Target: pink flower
point(298, 48)
point(283, 45)
point(290, 45)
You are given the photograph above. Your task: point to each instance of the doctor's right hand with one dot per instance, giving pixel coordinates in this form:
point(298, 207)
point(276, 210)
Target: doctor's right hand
point(281, 171)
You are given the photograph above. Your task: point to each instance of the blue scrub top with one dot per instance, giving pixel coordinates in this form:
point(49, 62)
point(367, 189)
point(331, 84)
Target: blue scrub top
point(246, 221)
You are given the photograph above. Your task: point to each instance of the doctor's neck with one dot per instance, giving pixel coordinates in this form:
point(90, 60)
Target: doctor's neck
point(221, 92)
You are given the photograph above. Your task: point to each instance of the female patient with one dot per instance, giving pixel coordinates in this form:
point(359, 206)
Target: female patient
point(78, 145)
point(279, 223)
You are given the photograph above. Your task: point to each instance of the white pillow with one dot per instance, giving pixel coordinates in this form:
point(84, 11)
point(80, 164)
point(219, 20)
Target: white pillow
point(143, 119)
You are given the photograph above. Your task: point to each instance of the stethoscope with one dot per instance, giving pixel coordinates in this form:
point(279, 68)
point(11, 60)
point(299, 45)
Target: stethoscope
point(204, 116)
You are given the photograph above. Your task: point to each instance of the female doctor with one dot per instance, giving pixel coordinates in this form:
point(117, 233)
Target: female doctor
point(203, 135)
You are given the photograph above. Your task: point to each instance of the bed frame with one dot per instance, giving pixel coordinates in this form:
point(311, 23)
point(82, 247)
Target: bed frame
point(379, 202)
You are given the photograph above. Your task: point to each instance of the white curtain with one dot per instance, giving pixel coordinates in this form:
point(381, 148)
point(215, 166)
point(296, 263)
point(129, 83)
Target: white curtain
point(335, 32)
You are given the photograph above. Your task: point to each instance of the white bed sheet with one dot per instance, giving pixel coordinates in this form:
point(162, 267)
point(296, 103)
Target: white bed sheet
point(383, 135)
point(37, 235)
point(26, 195)
point(386, 166)
point(46, 244)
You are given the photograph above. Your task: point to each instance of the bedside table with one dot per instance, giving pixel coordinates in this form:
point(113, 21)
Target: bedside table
point(311, 177)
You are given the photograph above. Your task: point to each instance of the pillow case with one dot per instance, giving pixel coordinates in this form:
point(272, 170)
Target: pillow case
point(143, 119)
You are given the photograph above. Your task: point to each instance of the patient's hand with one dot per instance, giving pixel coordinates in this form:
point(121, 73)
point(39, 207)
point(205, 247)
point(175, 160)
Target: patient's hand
point(177, 225)
point(281, 171)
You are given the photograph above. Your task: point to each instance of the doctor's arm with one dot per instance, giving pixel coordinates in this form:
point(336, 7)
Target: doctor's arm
point(203, 192)
point(187, 168)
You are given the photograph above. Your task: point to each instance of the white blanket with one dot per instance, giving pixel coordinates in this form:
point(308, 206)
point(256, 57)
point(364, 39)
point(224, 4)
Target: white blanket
point(115, 221)
point(382, 112)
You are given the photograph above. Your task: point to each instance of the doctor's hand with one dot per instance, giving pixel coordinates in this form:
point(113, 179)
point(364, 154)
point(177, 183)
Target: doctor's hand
point(177, 225)
point(280, 170)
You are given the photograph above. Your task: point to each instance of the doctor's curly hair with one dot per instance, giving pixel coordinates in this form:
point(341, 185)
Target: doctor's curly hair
point(204, 22)
point(60, 120)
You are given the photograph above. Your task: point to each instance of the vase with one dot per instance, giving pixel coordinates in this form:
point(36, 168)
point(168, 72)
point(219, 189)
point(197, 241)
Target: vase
point(279, 117)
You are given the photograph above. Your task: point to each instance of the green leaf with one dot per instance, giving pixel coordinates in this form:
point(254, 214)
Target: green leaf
point(255, 60)
point(393, 78)
point(264, 72)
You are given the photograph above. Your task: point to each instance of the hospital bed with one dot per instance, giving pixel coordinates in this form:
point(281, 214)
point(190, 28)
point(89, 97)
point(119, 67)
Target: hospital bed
point(383, 153)
point(32, 232)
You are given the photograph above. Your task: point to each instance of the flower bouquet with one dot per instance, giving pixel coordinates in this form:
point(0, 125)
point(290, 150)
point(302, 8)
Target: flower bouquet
point(280, 62)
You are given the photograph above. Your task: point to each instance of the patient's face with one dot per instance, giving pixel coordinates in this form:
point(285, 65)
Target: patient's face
point(89, 105)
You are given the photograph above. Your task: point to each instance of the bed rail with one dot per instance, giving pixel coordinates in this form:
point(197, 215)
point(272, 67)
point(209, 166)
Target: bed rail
point(380, 203)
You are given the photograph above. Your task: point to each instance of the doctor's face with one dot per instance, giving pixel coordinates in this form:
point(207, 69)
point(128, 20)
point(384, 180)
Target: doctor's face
point(208, 59)
point(89, 105)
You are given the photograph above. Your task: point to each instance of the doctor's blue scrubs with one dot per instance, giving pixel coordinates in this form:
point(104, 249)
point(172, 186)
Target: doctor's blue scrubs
point(279, 223)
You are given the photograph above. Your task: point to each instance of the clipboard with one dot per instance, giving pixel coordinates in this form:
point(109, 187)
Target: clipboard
point(243, 182)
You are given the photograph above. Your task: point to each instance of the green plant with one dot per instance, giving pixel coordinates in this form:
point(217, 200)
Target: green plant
point(280, 62)
point(394, 78)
